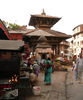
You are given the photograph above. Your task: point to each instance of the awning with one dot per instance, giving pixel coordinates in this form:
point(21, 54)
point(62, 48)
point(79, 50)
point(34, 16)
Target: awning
point(11, 44)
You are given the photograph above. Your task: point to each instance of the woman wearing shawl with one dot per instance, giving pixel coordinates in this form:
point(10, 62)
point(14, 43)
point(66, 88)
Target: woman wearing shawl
point(48, 71)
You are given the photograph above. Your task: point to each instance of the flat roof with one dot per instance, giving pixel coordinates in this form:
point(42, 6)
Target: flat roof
point(11, 44)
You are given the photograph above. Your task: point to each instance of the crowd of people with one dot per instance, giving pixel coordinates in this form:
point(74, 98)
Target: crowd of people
point(47, 66)
point(37, 68)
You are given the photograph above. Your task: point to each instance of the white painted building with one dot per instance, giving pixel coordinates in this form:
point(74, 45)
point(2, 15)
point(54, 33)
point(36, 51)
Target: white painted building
point(77, 39)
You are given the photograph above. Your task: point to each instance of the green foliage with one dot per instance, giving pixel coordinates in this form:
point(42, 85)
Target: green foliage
point(14, 26)
point(11, 25)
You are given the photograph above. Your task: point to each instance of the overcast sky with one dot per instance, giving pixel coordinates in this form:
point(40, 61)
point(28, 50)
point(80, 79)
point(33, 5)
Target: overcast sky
point(19, 11)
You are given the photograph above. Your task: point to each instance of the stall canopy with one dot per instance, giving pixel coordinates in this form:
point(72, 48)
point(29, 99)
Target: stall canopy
point(10, 45)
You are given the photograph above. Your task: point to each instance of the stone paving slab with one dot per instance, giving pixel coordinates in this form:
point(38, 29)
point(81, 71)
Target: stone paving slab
point(56, 91)
point(74, 89)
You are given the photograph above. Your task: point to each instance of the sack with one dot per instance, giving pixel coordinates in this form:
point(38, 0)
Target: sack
point(33, 77)
point(36, 90)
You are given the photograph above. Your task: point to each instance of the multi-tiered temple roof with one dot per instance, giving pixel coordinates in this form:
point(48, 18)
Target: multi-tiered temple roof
point(43, 20)
point(43, 24)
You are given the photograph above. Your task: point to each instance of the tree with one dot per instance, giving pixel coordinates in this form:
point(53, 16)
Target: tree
point(14, 26)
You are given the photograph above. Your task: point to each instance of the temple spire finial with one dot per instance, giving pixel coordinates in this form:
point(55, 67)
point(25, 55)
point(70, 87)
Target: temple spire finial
point(43, 13)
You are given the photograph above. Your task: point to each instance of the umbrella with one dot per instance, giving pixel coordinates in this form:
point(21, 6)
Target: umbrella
point(60, 58)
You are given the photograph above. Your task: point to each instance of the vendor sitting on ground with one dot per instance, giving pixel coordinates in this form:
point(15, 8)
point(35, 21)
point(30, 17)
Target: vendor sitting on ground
point(36, 68)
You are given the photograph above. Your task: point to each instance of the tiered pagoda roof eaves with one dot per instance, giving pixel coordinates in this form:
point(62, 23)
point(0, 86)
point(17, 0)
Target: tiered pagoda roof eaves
point(44, 16)
point(48, 33)
point(57, 33)
point(43, 45)
point(38, 32)
point(43, 20)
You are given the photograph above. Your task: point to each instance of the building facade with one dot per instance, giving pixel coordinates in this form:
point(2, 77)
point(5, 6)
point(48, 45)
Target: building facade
point(77, 39)
point(64, 49)
point(17, 34)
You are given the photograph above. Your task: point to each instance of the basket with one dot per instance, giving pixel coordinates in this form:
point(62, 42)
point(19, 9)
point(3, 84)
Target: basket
point(36, 90)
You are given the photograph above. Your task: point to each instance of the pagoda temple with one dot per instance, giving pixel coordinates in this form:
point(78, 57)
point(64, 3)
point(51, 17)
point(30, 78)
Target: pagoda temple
point(43, 40)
